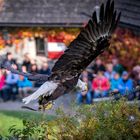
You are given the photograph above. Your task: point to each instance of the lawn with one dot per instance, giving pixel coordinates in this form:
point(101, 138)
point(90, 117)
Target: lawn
point(9, 118)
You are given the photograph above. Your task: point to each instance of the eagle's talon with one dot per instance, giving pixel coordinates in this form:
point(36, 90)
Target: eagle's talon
point(46, 106)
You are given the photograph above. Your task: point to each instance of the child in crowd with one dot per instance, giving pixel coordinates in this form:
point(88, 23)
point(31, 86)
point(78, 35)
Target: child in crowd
point(100, 85)
point(24, 86)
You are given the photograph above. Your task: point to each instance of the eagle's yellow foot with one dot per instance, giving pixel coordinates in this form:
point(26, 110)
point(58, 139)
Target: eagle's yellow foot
point(46, 106)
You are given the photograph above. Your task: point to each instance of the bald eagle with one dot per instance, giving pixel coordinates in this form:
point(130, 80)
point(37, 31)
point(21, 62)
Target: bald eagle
point(93, 39)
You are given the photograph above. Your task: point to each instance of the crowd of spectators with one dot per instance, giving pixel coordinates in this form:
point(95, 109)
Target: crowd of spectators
point(15, 87)
point(109, 79)
point(103, 80)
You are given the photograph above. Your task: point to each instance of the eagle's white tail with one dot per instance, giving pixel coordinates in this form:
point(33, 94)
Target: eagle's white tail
point(46, 89)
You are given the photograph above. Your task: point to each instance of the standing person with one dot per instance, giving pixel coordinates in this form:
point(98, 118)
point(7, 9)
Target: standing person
point(11, 83)
point(117, 67)
point(109, 73)
point(100, 85)
point(126, 86)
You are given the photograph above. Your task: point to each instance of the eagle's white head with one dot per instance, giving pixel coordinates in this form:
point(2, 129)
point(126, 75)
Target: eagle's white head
point(82, 86)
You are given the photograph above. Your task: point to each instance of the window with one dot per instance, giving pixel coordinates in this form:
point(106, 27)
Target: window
point(40, 45)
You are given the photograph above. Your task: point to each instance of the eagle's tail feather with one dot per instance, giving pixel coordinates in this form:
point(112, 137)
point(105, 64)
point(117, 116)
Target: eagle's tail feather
point(45, 90)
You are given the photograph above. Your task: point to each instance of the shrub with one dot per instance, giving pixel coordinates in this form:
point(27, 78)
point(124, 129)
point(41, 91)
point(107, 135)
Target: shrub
point(113, 120)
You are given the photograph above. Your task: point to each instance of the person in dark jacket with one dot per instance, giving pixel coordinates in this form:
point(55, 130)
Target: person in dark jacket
point(45, 69)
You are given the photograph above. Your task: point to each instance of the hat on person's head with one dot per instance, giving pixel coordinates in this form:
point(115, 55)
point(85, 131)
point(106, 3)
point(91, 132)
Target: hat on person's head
point(124, 73)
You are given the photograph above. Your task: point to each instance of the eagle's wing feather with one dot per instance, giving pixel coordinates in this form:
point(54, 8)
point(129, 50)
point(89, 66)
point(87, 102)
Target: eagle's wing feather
point(91, 42)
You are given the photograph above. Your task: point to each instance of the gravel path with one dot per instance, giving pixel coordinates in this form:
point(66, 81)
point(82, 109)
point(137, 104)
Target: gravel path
point(64, 102)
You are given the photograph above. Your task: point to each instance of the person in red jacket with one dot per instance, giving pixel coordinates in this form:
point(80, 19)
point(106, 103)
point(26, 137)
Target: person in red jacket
point(100, 85)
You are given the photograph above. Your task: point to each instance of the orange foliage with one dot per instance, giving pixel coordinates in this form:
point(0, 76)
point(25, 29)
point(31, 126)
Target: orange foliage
point(124, 45)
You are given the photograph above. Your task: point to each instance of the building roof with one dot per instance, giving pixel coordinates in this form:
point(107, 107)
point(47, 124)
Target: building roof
point(61, 12)
point(130, 13)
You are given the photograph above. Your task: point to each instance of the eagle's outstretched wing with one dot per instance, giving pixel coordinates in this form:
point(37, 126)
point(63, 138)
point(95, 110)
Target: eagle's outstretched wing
point(91, 42)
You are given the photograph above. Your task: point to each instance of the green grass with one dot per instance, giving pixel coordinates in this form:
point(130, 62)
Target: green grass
point(9, 118)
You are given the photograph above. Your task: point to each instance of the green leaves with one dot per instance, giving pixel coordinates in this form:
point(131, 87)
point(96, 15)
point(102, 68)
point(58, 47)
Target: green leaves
point(106, 120)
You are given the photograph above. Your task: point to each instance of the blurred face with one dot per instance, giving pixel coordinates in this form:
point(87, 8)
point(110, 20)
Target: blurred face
point(115, 62)
point(85, 73)
point(110, 67)
point(21, 77)
point(100, 74)
point(85, 79)
point(116, 76)
point(45, 66)
point(125, 77)
point(34, 67)
point(98, 62)
point(24, 69)
point(9, 57)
